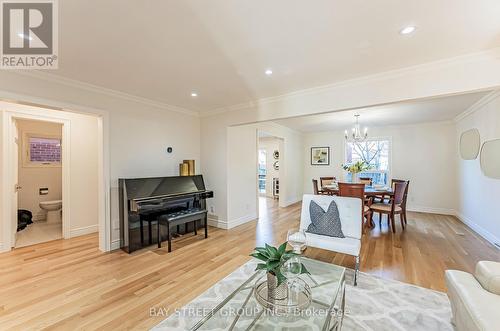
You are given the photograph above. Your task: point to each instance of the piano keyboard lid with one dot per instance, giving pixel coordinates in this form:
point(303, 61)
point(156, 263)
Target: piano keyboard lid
point(141, 188)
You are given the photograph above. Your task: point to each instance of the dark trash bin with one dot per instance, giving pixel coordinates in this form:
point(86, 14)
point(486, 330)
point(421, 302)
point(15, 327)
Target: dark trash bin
point(24, 218)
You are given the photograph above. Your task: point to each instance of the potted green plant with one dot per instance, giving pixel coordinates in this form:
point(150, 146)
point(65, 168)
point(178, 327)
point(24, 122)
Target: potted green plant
point(273, 259)
point(355, 168)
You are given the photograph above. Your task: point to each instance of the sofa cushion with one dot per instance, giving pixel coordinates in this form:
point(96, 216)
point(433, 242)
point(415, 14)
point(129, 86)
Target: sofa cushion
point(325, 223)
point(488, 274)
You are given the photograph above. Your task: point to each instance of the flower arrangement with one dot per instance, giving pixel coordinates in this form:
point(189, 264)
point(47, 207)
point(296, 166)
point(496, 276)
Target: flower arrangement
point(356, 167)
point(273, 259)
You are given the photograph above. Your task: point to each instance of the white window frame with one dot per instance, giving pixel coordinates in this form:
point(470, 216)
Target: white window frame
point(389, 170)
point(25, 152)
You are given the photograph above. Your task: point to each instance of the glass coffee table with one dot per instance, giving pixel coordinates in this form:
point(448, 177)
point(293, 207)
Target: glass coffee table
point(241, 311)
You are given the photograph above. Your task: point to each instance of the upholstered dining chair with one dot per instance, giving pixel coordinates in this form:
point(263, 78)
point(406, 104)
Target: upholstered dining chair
point(316, 190)
point(357, 191)
point(366, 181)
point(383, 198)
point(350, 219)
point(394, 207)
point(326, 181)
point(403, 204)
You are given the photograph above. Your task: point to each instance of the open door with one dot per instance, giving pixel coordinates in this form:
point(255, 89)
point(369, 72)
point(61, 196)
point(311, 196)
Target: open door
point(16, 188)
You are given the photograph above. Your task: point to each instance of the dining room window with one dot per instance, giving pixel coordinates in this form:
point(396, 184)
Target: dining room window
point(374, 152)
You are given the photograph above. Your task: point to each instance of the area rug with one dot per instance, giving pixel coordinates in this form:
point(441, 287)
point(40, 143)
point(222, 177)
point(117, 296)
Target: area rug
point(375, 304)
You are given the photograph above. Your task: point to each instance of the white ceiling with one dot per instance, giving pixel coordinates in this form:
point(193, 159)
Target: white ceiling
point(431, 110)
point(164, 49)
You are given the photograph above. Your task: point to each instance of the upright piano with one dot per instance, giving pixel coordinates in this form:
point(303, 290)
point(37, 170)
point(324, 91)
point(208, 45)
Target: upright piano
point(144, 200)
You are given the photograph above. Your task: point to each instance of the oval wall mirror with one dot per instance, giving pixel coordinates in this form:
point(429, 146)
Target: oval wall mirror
point(490, 158)
point(470, 142)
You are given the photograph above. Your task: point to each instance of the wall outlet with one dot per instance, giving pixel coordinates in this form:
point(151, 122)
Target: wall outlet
point(212, 209)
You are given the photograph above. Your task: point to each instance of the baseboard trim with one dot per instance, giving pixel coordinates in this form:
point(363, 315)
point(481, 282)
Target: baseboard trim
point(84, 230)
point(39, 218)
point(491, 238)
point(291, 202)
point(432, 210)
point(115, 244)
point(223, 224)
point(217, 223)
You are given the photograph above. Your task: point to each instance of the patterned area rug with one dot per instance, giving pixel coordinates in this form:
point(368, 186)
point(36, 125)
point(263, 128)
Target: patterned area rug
point(375, 304)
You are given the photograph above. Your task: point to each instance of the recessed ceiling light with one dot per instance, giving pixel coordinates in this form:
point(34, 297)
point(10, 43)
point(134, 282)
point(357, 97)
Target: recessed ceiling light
point(194, 94)
point(408, 29)
point(269, 72)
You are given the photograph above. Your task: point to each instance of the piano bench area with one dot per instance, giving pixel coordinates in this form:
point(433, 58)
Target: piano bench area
point(178, 218)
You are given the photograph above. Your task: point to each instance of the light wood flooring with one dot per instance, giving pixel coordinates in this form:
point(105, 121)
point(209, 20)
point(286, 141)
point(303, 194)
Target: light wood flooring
point(70, 284)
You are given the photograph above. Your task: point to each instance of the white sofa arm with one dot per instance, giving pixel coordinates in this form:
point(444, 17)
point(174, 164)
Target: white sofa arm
point(473, 307)
point(488, 274)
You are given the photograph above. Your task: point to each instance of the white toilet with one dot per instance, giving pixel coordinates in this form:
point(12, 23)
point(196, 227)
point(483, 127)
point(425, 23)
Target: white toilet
point(53, 209)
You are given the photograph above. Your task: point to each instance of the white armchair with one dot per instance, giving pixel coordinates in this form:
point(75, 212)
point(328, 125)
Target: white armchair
point(350, 218)
point(475, 299)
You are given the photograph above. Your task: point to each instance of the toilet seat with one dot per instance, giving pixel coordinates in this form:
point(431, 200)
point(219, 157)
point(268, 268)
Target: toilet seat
point(51, 202)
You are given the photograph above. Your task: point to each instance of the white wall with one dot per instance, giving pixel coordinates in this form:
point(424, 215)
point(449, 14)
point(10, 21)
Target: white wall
point(138, 144)
point(269, 145)
point(422, 153)
point(138, 130)
point(31, 179)
point(478, 194)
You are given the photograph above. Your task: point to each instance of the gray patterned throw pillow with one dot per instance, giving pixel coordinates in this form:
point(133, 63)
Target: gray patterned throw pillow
point(325, 223)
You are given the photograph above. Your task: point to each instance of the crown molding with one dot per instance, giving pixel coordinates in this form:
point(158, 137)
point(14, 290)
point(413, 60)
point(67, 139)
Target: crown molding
point(381, 76)
point(478, 105)
point(103, 90)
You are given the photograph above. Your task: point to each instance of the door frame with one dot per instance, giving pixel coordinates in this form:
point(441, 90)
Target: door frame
point(9, 118)
point(53, 114)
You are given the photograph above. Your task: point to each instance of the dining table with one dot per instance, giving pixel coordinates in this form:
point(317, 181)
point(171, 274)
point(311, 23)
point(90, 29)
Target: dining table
point(370, 193)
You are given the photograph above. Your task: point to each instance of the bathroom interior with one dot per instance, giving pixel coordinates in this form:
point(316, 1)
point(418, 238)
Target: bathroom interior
point(39, 182)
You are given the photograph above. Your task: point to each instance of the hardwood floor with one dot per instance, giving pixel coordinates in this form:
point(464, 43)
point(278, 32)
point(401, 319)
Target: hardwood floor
point(70, 284)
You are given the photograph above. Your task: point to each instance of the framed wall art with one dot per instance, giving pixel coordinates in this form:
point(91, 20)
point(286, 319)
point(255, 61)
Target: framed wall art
point(320, 155)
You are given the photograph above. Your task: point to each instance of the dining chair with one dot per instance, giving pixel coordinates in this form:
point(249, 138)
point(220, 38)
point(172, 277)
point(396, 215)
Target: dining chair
point(316, 191)
point(403, 204)
point(394, 207)
point(383, 199)
point(366, 181)
point(357, 191)
point(326, 181)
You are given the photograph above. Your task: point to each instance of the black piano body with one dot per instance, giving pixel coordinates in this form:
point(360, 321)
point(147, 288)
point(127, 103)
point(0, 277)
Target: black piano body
point(143, 200)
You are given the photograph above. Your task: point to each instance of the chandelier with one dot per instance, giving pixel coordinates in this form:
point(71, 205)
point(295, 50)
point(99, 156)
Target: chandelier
point(356, 134)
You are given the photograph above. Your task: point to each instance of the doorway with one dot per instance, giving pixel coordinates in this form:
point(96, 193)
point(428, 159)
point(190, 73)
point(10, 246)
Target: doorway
point(85, 197)
point(37, 165)
point(268, 169)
